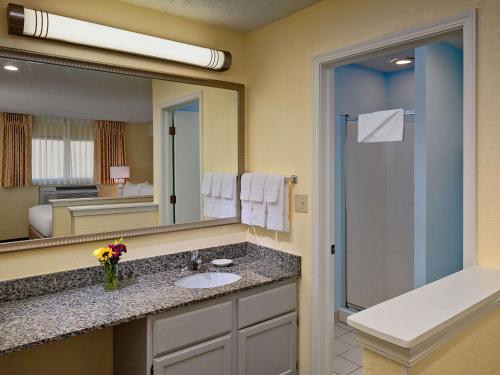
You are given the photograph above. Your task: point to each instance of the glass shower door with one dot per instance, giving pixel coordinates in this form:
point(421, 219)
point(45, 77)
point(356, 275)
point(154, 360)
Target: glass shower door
point(378, 218)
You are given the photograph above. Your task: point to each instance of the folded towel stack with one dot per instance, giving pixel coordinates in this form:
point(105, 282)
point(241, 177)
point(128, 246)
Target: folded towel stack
point(264, 201)
point(219, 195)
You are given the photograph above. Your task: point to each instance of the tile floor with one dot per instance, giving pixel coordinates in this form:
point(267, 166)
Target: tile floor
point(348, 357)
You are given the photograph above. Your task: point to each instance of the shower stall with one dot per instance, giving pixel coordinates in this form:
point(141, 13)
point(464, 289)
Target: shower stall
point(378, 208)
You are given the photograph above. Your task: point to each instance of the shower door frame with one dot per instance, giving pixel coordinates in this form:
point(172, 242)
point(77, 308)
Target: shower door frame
point(323, 166)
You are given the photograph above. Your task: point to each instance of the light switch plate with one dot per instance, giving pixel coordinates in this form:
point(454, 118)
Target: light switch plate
point(300, 203)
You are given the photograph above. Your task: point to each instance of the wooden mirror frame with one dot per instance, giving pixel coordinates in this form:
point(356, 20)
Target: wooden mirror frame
point(75, 63)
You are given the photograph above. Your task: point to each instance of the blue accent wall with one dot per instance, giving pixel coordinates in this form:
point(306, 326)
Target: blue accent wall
point(438, 163)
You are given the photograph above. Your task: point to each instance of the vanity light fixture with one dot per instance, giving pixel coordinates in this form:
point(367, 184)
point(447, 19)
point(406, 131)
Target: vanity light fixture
point(11, 67)
point(43, 25)
point(403, 60)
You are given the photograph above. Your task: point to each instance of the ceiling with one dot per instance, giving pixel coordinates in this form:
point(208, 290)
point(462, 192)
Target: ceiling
point(243, 15)
point(383, 63)
point(51, 90)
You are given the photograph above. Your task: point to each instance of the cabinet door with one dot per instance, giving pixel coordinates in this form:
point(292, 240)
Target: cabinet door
point(209, 358)
point(269, 348)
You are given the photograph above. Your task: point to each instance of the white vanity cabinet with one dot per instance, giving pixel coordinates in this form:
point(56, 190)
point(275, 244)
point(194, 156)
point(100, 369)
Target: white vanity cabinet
point(250, 333)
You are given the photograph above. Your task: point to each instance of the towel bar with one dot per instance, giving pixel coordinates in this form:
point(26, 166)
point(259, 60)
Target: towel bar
point(292, 179)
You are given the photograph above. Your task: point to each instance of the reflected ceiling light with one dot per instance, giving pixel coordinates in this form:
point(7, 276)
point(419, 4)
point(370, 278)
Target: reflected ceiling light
point(403, 60)
point(40, 24)
point(11, 67)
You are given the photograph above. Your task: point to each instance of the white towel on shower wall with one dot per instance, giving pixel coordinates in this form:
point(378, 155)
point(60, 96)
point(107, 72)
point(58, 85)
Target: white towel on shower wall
point(382, 126)
point(277, 212)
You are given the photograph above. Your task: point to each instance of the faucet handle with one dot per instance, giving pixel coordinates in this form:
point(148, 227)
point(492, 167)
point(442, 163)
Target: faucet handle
point(194, 255)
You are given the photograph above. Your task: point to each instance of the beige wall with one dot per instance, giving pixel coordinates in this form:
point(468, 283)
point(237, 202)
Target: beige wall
point(219, 122)
point(139, 150)
point(87, 354)
point(473, 351)
point(14, 211)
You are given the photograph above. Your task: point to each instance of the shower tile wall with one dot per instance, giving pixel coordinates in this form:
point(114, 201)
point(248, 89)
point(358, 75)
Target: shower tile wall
point(379, 213)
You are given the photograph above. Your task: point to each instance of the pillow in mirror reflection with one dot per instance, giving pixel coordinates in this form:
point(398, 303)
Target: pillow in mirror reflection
point(131, 189)
point(146, 189)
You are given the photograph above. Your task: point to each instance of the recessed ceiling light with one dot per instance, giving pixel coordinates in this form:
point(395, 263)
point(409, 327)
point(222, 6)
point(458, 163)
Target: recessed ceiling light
point(11, 67)
point(403, 60)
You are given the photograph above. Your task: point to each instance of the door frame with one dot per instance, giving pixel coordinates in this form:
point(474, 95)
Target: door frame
point(164, 113)
point(323, 163)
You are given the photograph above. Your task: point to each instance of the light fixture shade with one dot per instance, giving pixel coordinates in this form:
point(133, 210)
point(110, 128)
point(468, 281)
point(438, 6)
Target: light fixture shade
point(119, 172)
point(40, 24)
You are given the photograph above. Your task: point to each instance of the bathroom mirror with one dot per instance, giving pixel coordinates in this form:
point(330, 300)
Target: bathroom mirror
point(90, 152)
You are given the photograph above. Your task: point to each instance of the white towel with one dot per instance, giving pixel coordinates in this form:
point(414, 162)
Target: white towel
point(228, 185)
point(246, 205)
point(382, 126)
point(246, 182)
point(227, 207)
point(257, 187)
point(206, 186)
point(272, 187)
point(258, 216)
point(209, 206)
point(277, 212)
point(216, 185)
point(246, 212)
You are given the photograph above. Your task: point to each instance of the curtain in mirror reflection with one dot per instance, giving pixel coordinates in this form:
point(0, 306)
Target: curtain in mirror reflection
point(16, 149)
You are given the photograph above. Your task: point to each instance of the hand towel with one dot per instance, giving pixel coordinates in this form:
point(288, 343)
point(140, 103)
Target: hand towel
point(258, 216)
point(246, 182)
point(246, 212)
point(257, 187)
point(216, 185)
point(382, 126)
point(246, 205)
point(272, 187)
point(209, 206)
point(206, 186)
point(227, 207)
point(277, 212)
point(228, 185)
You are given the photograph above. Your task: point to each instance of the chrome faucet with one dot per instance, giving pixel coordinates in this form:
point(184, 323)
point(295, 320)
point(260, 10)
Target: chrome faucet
point(195, 261)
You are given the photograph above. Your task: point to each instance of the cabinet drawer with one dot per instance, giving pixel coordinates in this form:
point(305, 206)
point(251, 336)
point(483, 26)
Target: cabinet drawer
point(190, 327)
point(266, 305)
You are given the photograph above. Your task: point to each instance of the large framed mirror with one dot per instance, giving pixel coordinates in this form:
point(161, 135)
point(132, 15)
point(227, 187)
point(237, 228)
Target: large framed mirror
point(91, 151)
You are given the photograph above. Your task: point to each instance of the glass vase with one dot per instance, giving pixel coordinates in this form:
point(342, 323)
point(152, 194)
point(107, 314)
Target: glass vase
point(111, 276)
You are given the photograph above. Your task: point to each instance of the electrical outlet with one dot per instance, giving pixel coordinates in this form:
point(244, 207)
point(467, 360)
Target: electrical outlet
point(300, 203)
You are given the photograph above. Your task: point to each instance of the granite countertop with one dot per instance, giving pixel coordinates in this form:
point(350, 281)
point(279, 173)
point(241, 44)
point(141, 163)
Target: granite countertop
point(43, 318)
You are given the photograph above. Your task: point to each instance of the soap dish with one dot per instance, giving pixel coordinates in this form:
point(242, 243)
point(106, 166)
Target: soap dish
point(222, 262)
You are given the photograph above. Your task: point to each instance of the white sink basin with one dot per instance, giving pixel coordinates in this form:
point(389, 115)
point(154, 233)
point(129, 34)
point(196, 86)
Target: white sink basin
point(207, 280)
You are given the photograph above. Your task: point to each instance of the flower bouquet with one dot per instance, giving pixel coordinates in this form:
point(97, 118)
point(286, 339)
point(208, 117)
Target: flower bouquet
point(109, 257)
